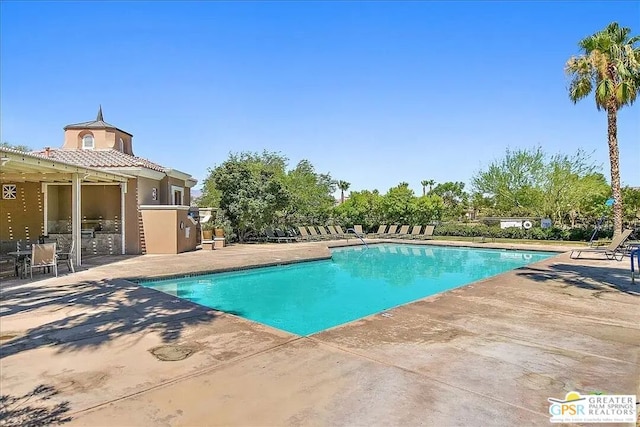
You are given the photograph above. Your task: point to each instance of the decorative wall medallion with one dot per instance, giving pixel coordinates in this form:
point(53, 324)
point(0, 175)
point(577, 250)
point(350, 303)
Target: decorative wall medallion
point(9, 191)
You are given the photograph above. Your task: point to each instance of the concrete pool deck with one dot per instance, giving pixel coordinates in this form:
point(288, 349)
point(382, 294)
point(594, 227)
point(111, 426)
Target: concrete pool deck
point(490, 353)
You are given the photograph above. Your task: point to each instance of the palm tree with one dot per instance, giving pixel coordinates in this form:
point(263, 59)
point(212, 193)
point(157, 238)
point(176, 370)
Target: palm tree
point(424, 183)
point(343, 186)
point(431, 183)
point(609, 65)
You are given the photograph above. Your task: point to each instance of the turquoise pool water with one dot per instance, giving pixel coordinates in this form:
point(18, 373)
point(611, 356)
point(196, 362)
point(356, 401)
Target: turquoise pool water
point(309, 297)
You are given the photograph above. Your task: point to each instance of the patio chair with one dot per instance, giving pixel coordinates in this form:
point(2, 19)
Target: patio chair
point(381, 229)
point(358, 229)
point(615, 249)
point(323, 232)
point(334, 233)
point(285, 236)
point(415, 232)
point(8, 262)
point(271, 236)
point(404, 231)
point(392, 231)
point(42, 256)
point(427, 233)
point(66, 255)
point(339, 230)
point(304, 234)
point(314, 233)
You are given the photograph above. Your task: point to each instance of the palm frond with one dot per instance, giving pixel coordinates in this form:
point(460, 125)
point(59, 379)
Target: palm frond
point(610, 66)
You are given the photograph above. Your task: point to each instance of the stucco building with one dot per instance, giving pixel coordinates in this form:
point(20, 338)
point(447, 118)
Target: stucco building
point(91, 190)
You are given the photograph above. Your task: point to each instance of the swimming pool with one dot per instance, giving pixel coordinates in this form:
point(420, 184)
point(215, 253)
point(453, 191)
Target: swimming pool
point(309, 297)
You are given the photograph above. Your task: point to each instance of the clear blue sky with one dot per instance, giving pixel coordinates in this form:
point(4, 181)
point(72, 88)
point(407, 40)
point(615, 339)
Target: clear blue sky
point(373, 93)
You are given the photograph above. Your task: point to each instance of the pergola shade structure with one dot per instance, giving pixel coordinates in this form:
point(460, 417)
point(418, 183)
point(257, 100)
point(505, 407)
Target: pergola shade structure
point(18, 168)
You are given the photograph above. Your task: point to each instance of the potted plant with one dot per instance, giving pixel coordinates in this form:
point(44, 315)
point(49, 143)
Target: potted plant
point(207, 230)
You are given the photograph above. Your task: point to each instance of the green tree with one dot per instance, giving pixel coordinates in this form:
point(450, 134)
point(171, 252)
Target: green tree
point(311, 199)
point(568, 182)
point(424, 184)
point(362, 207)
point(343, 186)
point(513, 183)
point(252, 192)
point(15, 147)
point(210, 196)
point(609, 65)
point(397, 204)
point(431, 183)
point(426, 209)
point(631, 198)
point(454, 198)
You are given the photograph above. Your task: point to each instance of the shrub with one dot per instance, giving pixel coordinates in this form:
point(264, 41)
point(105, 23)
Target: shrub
point(536, 233)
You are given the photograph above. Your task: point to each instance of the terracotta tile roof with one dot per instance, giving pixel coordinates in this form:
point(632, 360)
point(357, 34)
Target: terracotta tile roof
point(100, 159)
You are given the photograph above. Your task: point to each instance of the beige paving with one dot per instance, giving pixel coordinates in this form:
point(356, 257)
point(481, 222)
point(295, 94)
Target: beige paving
point(486, 354)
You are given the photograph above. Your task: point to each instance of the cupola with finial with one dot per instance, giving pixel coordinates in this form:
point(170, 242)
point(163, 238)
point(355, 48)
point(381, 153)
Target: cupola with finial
point(97, 135)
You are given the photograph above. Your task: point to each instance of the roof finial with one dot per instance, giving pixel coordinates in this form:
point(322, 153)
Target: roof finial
point(100, 118)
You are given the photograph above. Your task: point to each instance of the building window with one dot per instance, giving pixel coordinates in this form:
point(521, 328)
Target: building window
point(9, 191)
point(121, 145)
point(88, 142)
point(178, 195)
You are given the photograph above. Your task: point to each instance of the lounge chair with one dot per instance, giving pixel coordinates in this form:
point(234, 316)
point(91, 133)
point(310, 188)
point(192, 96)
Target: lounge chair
point(334, 233)
point(323, 232)
point(381, 229)
point(285, 236)
point(271, 236)
point(615, 249)
point(415, 232)
point(392, 231)
point(339, 230)
point(304, 234)
point(358, 229)
point(404, 230)
point(314, 234)
point(427, 233)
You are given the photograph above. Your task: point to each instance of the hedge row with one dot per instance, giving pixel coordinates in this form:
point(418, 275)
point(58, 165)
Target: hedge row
point(536, 233)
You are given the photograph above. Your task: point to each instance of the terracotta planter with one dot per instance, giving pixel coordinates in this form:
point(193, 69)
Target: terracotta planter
point(207, 234)
point(219, 232)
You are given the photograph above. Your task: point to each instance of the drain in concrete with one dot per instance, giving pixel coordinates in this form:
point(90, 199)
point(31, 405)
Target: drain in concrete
point(172, 353)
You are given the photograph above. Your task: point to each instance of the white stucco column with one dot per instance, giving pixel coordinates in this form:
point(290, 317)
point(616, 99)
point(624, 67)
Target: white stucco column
point(76, 216)
point(123, 192)
point(44, 187)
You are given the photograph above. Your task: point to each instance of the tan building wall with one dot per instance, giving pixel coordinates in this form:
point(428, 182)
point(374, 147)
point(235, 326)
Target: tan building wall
point(100, 201)
point(103, 139)
point(186, 243)
point(145, 191)
point(22, 217)
point(158, 225)
point(157, 231)
point(167, 194)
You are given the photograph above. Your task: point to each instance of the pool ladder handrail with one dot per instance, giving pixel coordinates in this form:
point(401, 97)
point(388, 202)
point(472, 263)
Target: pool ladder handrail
point(358, 236)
